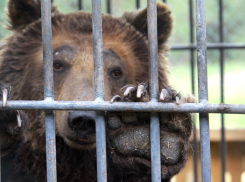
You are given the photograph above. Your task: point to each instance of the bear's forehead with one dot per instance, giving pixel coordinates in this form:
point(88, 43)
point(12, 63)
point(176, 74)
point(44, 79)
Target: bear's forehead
point(82, 22)
point(72, 55)
point(81, 45)
point(113, 29)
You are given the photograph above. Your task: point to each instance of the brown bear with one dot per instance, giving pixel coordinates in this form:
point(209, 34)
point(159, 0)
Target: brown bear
point(125, 55)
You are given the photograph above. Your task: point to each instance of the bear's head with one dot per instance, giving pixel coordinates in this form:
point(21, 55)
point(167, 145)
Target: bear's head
point(125, 55)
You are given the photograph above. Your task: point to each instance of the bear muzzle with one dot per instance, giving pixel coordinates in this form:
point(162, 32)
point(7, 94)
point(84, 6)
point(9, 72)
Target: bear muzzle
point(82, 123)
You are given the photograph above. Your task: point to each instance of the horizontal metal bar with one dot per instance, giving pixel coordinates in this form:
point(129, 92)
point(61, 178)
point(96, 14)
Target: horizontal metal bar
point(209, 46)
point(125, 106)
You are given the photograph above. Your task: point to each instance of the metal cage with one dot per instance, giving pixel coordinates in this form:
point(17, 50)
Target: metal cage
point(99, 105)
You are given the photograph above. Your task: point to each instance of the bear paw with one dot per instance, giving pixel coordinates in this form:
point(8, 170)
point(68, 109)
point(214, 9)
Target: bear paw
point(129, 134)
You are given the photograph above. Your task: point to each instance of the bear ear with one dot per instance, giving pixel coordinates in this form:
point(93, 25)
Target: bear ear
point(23, 12)
point(164, 21)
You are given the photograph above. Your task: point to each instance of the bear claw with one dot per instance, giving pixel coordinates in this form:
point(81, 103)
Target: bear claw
point(140, 91)
point(164, 93)
point(128, 91)
point(19, 121)
point(137, 93)
point(115, 98)
point(177, 100)
point(5, 96)
point(4, 103)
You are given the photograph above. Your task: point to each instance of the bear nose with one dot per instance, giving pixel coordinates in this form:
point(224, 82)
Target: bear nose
point(82, 122)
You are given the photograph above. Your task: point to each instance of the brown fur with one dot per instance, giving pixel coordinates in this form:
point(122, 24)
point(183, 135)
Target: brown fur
point(125, 45)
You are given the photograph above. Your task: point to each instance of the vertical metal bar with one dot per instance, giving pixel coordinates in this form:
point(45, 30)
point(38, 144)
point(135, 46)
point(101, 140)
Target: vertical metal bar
point(203, 90)
point(108, 6)
point(0, 164)
point(192, 62)
point(99, 90)
point(98, 50)
point(223, 143)
point(154, 89)
point(153, 48)
point(192, 50)
point(50, 147)
point(48, 90)
point(155, 148)
point(101, 147)
point(80, 4)
point(47, 49)
point(137, 4)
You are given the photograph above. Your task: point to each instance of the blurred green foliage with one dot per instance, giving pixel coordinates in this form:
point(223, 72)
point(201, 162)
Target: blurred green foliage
point(234, 26)
point(3, 21)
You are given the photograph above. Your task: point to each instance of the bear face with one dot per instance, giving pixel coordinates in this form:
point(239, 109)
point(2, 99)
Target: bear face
point(125, 56)
point(73, 64)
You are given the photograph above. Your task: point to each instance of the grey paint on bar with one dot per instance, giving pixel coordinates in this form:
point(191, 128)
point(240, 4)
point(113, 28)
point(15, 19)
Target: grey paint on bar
point(154, 90)
point(203, 90)
point(99, 90)
point(48, 90)
point(107, 106)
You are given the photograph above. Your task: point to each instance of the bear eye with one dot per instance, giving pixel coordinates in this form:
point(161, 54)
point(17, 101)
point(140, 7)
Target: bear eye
point(116, 73)
point(58, 67)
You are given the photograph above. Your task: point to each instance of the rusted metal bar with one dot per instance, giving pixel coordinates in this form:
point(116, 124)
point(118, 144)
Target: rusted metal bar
point(154, 90)
point(99, 90)
point(48, 90)
point(203, 89)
